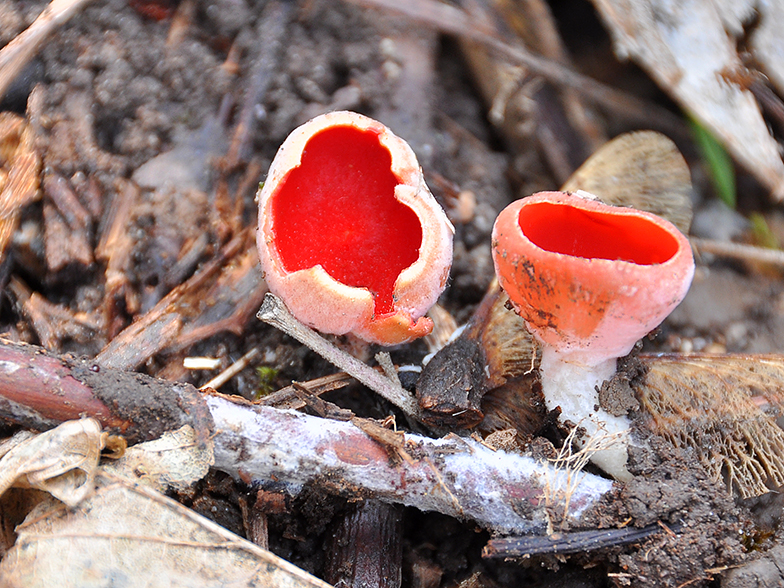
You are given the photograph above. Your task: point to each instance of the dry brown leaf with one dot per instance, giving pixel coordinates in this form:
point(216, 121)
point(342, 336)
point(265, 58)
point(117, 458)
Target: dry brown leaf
point(724, 408)
point(174, 460)
point(19, 169)
point(61, 461)
point(138, 537)
point(687, 50)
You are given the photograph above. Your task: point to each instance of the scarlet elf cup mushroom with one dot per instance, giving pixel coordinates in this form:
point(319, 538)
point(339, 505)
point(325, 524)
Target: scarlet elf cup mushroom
point(349, 236)
point(589, 280)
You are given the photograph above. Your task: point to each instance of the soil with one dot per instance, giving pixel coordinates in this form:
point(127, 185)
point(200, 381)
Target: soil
point(115, 88)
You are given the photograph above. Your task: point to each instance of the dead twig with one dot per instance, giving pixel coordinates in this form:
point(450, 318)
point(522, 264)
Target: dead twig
point(18, 53)
point(53, 322)
point(454, 476)
point(275, 313)
point(231, 371)
point(566, 543)
point(289, 397)
point(738, 251)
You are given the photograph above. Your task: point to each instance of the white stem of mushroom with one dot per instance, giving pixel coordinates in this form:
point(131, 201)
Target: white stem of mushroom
point(573, 386)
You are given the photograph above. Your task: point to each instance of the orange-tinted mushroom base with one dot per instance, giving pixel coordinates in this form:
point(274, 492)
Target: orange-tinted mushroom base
point(337, 209)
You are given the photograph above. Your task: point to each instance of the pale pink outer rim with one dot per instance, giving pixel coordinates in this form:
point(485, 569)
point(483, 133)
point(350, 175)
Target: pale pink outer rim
point(313, 295)
point(644, 294)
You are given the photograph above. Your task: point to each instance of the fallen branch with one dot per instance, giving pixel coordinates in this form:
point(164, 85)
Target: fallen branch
point(454, 476)
point(257, 444)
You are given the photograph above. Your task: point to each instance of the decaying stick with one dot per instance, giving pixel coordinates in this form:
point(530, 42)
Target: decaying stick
point(366, 547)
point(289, 396)
point(455, 476)
point(275, 313)
point(40, 390)
point(459, 477)
point(23, 48)
point(232, 370)
point(566, 543)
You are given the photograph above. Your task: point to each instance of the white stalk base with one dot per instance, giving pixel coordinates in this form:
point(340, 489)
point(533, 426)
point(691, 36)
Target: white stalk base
point(573, 387)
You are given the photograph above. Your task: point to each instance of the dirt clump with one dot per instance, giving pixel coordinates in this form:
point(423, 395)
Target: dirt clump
point(702, 530)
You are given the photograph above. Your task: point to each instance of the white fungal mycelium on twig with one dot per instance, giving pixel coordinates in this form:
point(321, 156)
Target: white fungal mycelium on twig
point(500, 491)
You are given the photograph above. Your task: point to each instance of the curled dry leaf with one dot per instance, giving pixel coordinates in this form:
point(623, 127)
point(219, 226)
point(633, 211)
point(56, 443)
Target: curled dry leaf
point(125, 530)
point(687, 50)
point(176, 460)
point(61, 461)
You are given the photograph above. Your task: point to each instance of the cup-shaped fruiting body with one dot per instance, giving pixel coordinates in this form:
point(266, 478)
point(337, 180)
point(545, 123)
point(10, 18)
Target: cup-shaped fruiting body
point(349, 235)
point(589, 280)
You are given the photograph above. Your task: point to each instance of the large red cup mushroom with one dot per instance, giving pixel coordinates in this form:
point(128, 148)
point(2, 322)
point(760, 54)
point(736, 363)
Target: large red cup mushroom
point(589, 280)
point(349, 235)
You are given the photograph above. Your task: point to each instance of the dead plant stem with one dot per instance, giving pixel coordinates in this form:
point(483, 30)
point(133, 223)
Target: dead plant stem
point(275, 313)
point(739, 251)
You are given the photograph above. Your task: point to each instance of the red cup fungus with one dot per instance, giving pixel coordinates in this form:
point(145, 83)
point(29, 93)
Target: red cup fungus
point(349, 236)
point(589, 280)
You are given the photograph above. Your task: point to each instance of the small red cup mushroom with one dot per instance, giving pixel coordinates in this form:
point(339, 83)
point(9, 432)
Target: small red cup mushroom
point(589, 280)
point(349, 236)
